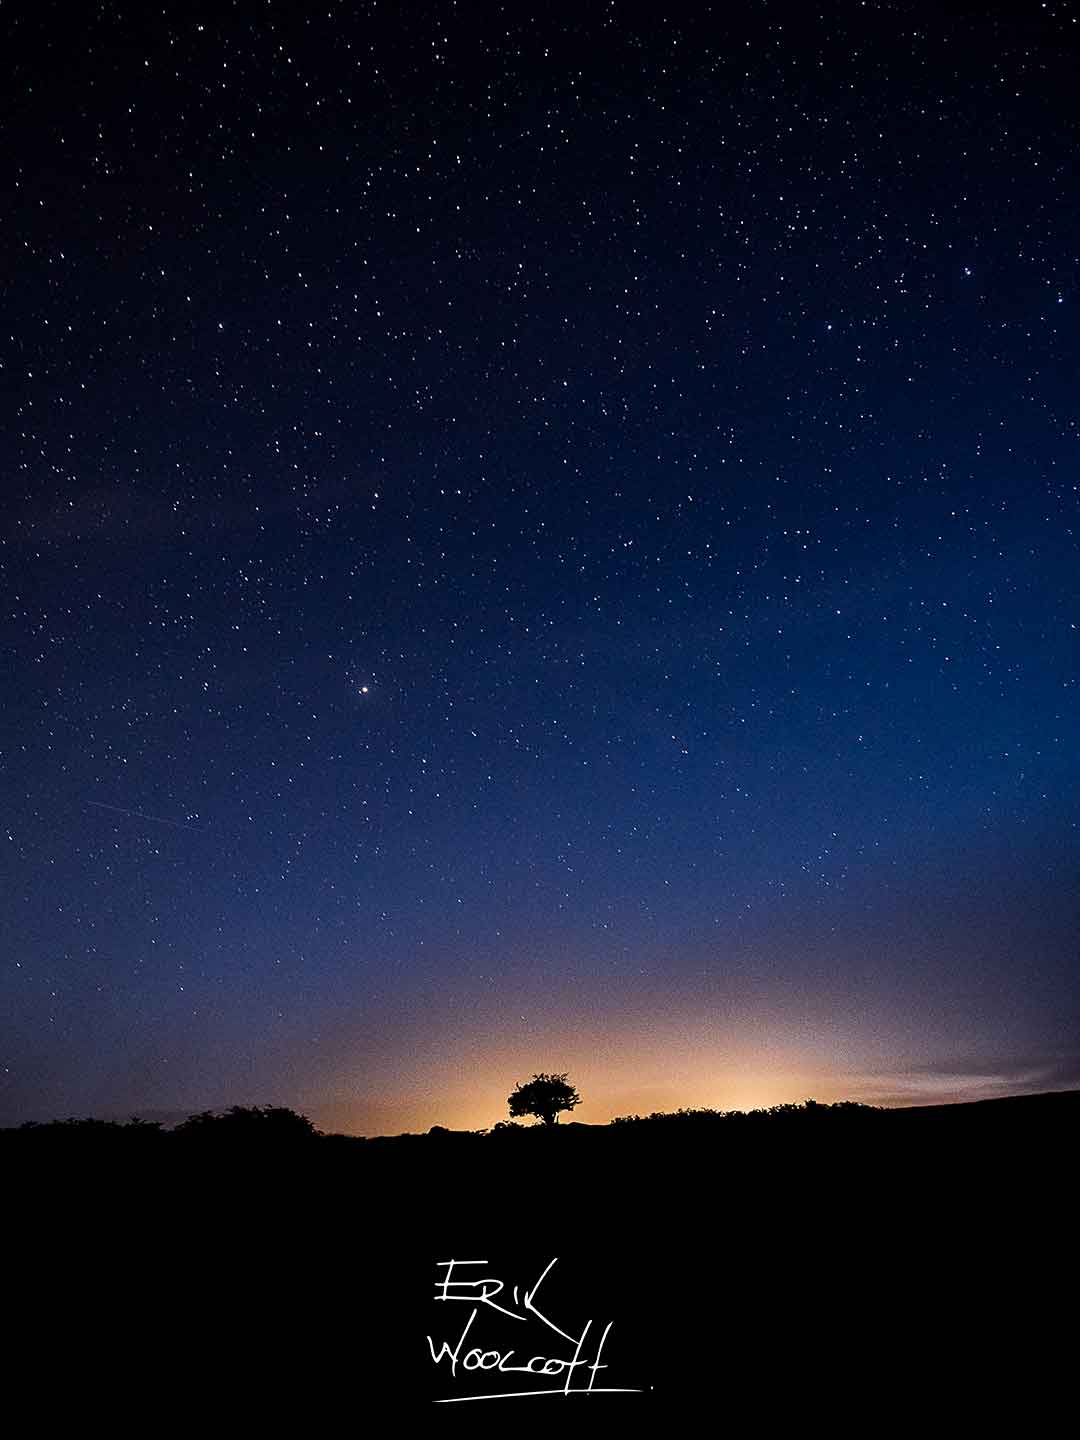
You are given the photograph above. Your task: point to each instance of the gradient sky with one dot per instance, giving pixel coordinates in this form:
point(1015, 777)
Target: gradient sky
point(537, 539)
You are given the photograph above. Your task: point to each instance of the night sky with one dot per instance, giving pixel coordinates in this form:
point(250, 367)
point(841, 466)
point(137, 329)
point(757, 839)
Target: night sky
point(537, 538)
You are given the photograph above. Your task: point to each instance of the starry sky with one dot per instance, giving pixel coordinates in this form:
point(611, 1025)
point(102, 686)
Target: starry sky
point(537, 538)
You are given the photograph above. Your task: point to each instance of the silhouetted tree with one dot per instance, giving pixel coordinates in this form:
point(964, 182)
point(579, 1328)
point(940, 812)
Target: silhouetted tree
point(544, 1096)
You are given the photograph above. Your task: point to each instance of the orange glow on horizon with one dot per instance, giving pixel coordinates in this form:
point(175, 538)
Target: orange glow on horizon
point(460, 1076)
point(619, 1083)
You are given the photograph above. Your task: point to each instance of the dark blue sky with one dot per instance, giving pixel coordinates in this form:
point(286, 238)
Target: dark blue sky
point(538, 540)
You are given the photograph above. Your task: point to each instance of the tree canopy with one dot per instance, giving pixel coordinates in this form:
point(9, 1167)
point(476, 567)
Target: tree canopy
point(544, 1096)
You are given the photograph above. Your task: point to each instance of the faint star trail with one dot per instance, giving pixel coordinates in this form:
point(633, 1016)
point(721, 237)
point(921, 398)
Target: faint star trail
point(141, 815)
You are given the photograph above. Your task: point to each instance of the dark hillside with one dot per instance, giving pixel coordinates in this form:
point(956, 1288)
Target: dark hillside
point(797, 1260)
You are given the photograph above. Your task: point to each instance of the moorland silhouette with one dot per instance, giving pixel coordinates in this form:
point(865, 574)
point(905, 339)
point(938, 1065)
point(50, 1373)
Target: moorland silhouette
point(792, 1261)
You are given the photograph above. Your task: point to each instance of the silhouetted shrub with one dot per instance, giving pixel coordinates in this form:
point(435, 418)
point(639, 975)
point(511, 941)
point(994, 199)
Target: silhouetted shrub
point(247, 1125)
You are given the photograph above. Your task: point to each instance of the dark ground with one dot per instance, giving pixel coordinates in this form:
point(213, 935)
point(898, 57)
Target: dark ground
point(850, 1271)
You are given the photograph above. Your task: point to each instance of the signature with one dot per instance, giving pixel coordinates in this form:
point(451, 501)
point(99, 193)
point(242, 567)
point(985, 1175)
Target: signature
point(481, 1294)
